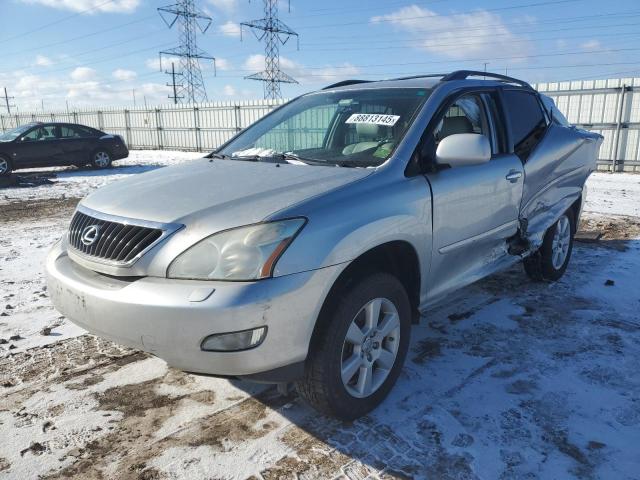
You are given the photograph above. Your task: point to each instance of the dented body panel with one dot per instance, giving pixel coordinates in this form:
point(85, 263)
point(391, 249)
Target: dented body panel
point(555, 176)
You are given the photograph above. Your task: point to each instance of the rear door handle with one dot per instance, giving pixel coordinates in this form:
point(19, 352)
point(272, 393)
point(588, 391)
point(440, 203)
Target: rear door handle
point(513, 176)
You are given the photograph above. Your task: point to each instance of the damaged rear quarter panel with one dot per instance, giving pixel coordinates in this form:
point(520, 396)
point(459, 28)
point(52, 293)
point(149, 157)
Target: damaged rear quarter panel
point(555, 175)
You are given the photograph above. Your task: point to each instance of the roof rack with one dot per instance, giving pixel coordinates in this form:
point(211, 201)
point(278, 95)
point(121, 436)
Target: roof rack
point(345, 82)
point(428, 75)
point(463, 74)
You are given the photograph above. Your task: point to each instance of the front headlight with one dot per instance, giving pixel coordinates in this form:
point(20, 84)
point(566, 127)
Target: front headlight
point(245, 253)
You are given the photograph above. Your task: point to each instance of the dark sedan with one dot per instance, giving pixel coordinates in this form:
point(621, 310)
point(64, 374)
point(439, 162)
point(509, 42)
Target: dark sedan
point(56, 144)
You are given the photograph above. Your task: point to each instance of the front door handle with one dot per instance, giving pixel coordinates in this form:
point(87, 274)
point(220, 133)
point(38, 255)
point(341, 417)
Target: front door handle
point(513, 176)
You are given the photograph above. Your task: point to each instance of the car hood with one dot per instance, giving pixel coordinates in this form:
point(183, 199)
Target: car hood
point(226, 193)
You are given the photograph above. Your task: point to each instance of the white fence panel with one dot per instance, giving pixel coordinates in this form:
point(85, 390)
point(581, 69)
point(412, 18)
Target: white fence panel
point(610, 107)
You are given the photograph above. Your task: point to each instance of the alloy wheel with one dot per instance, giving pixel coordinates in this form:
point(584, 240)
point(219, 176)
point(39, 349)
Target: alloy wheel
point(4, 166)
point(560, 243)
point(370, 348)
point(101, 159)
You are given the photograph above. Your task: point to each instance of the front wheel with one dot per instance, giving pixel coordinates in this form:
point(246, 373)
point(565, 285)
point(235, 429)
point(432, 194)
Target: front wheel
point(100, 159)
point(355, 360)
point(551, 260)
point(5, 166)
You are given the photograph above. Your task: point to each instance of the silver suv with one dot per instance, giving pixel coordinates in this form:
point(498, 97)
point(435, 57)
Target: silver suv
point(305, 247)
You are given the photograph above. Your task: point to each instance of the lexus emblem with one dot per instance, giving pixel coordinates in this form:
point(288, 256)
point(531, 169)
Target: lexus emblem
point(90, 234)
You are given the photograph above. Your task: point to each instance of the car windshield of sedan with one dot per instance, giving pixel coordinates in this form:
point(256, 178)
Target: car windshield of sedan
point(10, 135)
point(352, 128)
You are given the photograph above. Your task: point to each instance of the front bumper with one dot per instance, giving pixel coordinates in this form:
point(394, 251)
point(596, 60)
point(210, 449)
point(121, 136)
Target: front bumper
point(167, 318)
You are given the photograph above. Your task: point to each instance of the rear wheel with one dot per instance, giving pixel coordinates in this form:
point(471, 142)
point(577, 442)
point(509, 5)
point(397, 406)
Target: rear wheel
point(552, 259)
point(355, 360)
point(5, 166)
point(100, 159)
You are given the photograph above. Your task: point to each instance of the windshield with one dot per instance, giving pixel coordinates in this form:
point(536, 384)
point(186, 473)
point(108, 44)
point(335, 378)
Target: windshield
point(355, 128)
point(13, 134)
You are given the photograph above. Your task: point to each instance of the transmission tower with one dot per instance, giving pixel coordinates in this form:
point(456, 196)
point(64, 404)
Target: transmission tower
point(274, 32)
point(189, 19)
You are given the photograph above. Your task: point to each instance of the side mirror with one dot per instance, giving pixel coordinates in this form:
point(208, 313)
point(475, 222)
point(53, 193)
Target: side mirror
point(463, 149)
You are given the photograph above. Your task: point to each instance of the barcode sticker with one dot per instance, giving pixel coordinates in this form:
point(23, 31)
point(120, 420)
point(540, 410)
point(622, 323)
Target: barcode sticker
point(375, 118)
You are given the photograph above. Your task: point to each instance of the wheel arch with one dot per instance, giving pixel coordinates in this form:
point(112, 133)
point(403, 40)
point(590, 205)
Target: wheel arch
point(398, 258)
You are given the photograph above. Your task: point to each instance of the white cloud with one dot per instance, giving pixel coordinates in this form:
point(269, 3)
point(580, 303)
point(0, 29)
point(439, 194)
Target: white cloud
point(223, 64)
point(42, 61)
point(227, 5)
point(83, 74)
point(445, 35)
point(89, 6)
point(303, 74)
point(591, 45)
point(229, 91)
point(124, 75)
point(153, 63)
point(230, 29)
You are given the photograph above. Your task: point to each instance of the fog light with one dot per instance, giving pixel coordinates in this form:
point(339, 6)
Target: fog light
point(234, 341)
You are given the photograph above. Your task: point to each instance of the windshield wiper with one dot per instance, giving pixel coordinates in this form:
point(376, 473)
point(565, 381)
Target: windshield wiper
point(221, 156)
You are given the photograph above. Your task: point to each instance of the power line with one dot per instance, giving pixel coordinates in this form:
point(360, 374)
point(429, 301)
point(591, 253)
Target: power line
point(438, 16)
point(481, 27)
point(56, 22)
point(417, 44)
point(188, 18)
point(274, 33)
point(73, 39)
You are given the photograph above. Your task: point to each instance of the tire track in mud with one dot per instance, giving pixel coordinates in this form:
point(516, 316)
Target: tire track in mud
point(61, 361)
point(30, 210)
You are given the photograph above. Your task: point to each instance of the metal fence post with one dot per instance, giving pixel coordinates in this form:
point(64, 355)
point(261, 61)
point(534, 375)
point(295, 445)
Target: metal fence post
point(237, 117)
point(616, 144)
point(127, 127)
point(2, 120)
point(196, 125)
point(100, 120)
point(159, 129)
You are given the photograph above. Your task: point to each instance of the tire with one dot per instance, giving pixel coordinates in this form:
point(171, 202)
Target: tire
point(5, 166)
point(101, 159)
point(551, 260)
point(338, 347)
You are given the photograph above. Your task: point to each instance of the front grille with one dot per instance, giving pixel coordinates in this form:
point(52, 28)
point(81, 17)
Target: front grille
point(114, 242)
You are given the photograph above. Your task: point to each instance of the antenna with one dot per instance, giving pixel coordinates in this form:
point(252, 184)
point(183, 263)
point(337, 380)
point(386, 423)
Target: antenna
point(189, 18)
point(6, 100)
point(173, 83)
point(275, 33)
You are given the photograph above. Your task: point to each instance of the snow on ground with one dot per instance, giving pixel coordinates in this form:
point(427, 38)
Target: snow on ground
point(508, 379)
point(74, 182)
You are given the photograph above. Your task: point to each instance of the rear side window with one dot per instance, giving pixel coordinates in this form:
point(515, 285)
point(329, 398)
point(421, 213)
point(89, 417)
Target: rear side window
point(528, 122)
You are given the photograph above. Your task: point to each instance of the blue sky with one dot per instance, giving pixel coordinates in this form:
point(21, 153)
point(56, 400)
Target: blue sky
point(96, 52)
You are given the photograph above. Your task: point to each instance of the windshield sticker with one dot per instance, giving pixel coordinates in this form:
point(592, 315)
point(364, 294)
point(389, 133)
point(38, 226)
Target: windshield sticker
point(375, 118)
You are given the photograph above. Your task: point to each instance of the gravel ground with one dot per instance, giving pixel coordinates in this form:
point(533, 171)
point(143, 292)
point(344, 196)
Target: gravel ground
point(507, 379)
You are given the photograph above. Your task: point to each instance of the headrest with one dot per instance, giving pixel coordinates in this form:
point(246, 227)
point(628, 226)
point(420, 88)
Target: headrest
point(454, 125)
point(367, 130)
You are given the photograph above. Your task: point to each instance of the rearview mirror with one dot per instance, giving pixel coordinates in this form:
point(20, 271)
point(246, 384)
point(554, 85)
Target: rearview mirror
point(463, 149)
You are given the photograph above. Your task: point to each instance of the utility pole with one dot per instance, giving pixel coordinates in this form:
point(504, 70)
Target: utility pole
point(173, 83)
point(6, 100)
point(275, 33)
point(189, 18)
point(133, 91)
